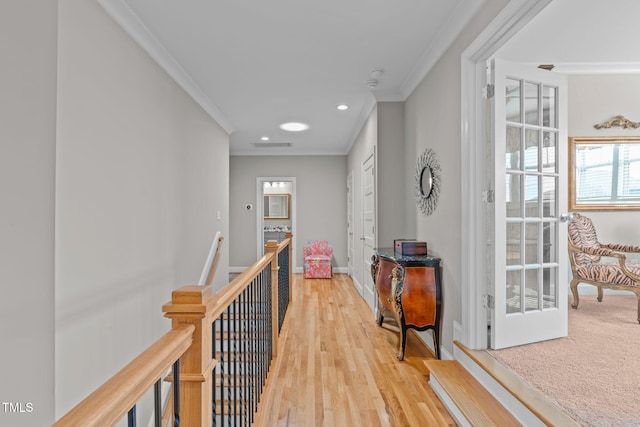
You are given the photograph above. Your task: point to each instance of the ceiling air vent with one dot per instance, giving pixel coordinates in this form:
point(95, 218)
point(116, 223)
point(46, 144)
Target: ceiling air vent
point(272, 144)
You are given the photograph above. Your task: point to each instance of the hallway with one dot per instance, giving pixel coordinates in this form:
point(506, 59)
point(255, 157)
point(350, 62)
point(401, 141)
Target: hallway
point(336, 367)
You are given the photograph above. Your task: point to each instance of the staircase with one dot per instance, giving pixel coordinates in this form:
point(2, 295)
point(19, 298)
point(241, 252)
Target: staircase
point(478, 391)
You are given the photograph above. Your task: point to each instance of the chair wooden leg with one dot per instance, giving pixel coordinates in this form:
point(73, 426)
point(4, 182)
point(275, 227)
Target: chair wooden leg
point(574, 291)
point(599, 293)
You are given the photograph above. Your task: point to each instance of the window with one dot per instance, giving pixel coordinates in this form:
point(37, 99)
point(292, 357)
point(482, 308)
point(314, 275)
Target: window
point(604, 173)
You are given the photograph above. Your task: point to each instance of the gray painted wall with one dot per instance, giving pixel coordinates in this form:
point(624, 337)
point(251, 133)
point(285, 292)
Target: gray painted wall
point(321, 203)
point(394, 196)
point(594, 99)
point(27, 177)
point(433, 117)
point(142, 172)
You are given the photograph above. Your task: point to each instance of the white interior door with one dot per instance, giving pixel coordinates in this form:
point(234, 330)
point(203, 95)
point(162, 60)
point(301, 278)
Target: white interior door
point(530, 272)
point(350, 235)
point(368, 225)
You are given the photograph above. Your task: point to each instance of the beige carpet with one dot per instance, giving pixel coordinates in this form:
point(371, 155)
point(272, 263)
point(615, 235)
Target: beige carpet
point(594, 373)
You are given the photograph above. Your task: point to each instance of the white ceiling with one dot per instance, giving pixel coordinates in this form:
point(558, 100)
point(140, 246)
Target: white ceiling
point(581, 36)
point(256, 64)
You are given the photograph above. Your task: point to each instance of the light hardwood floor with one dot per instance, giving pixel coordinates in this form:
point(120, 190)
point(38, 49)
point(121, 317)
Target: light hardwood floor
point(337, 367)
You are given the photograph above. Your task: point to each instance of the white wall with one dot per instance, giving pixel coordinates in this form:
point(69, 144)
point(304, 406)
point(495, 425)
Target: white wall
point(142, 173)
point(433, 118)
point(594, 99)
point(27, 174)
point(321, 203)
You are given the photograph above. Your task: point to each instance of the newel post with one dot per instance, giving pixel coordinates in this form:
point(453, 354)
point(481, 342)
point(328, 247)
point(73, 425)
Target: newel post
point(190, 305)
point(272, 247)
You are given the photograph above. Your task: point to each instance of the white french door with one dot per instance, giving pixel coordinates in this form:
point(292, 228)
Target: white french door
point(530, 181)
point(368, 226)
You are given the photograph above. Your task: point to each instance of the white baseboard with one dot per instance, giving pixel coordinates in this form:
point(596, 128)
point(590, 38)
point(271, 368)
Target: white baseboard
point(457, 331)
point(444, 354)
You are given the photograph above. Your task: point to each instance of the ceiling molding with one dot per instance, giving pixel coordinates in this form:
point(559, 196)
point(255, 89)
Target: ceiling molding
point(365, 112)
point(515, 15)
point(597, 68)
point(448, 33)
point(124, 16)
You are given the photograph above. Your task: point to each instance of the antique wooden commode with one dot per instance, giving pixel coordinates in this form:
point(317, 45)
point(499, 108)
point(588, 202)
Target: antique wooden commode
point(408, 288)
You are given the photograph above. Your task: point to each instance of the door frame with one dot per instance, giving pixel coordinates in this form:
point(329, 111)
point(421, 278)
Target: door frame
point(260, 213)
point(516, 14)
point(350, 224)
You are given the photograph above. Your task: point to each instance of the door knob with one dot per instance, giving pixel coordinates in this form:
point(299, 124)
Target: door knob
point(566, 217)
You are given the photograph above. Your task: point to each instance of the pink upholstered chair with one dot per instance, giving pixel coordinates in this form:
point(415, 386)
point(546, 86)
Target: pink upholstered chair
point(317, 260)
point(585, 253)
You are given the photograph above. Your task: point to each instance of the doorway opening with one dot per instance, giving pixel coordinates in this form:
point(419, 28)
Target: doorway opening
point(275, 211)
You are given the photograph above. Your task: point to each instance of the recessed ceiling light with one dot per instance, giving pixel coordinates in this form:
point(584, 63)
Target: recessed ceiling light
point(294, 126)
point(264, 138)
point(343, 107)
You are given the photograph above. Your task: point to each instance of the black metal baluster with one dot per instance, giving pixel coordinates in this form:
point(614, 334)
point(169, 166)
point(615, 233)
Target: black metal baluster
point(229, 365)
point(214, 390)
point(176, 393)
point(269, 329)
point(243, 353)
point(222, 369)
point(157, 403)
point(252, 342)
point(131, 417)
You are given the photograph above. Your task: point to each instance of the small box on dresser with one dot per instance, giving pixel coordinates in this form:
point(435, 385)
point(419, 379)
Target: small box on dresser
point(408, 247)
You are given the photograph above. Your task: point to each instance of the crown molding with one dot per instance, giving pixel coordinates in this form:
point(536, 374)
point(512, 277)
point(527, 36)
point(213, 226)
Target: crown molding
point(448, 33)
point(124, 16)
point(597, 68)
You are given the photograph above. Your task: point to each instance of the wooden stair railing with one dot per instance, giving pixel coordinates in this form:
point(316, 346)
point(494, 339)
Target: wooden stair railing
point(115, 398)
point(222, 345)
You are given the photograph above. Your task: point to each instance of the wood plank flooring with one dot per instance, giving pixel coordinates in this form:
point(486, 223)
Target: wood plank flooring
point(337, 367)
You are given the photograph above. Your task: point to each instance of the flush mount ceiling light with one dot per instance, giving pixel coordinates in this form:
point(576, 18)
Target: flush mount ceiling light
point(294, 126)
point(342, 107)
point(264, 138)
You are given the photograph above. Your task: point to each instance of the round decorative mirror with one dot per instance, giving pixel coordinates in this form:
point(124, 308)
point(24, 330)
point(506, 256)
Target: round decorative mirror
point(427, 181)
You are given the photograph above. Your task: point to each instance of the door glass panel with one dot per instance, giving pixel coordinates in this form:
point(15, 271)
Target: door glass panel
point(549, 195)
point(531, 114)
point(512, 101)
point(532, 294)
point(549, 107)
point(513, 244)
point(513, 148)
point(550, 287)
point(513, 195)
point(531, 195)
point(514, 290)
point(549, 151)
point(531, 243)
point(531, 150)
point(549, 232)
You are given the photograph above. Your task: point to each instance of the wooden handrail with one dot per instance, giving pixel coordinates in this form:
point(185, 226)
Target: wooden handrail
point(111, 401)
point(192, 310)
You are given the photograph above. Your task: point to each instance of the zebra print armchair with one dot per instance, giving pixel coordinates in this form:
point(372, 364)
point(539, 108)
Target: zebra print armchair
point(585, 255)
